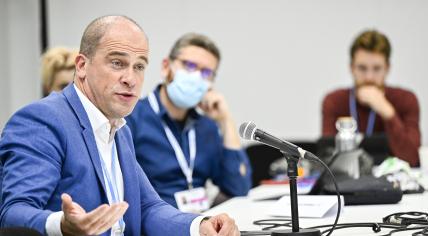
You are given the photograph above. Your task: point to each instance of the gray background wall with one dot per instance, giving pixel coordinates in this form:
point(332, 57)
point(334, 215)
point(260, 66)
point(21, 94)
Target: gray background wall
point(280, 56)
point(20, 52)
point(4, 66)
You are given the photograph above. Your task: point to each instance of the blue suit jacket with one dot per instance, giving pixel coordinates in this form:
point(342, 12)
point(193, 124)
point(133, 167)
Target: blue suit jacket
point(48, 148)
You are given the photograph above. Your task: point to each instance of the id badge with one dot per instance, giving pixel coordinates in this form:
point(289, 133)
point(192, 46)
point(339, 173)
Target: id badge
point(117, 230)
point(193, 200)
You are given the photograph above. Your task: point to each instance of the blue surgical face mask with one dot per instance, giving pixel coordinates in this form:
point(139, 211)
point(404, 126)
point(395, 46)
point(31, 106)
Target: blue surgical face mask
point(187, 89)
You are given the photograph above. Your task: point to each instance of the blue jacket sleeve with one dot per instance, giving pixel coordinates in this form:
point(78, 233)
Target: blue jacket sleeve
point(234, 173)
point(30, 155)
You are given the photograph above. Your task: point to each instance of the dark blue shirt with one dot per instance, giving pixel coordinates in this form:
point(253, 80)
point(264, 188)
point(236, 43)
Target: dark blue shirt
point(157, 157)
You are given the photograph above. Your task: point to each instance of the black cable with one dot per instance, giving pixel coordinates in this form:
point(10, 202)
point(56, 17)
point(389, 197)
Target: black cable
point(407, 218)
point(376, 227)
point(339, 201)
point(339, 206)
point(422, 232)
point(403, 229)
point(389, 222)
point(272, 225)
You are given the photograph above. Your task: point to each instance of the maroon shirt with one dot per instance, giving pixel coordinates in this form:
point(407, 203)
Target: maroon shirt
point(402, 130)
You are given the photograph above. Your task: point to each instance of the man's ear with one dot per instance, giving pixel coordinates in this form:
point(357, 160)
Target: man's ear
point(351, 68)
point(388, 66)
point(166, 69)
point(81, 61)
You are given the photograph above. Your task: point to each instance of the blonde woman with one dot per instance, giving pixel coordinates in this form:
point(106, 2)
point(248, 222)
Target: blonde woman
point(57, 69)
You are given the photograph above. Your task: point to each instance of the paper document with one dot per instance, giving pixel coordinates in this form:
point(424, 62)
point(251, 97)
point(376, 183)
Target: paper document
point(263, 192)
point(311, 206)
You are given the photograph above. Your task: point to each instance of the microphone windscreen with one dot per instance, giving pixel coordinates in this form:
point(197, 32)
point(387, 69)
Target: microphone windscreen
point(247, 129)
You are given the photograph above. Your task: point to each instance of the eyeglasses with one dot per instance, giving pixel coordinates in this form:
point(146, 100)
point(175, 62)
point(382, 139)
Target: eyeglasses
point(191, 66)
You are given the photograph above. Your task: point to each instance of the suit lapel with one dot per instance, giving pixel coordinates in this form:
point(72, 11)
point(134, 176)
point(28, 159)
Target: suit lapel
point(87, 132)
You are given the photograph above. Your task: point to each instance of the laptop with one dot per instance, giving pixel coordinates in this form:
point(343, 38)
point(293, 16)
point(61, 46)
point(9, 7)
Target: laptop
point(375, 145)
point(365, 189)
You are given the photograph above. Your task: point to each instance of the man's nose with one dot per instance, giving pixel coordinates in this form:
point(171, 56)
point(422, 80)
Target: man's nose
point(129, 78)
point(370, 75)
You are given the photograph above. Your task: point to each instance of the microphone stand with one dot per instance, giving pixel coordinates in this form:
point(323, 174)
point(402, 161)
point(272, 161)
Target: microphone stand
point(295, 231)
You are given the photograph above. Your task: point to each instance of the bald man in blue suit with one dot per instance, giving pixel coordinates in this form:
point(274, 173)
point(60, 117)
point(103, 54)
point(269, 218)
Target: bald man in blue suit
point(68, 165)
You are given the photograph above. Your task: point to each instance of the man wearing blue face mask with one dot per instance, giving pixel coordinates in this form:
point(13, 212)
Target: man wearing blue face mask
point(184, 133)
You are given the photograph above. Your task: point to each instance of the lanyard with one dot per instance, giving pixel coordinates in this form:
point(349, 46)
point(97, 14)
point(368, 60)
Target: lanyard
point(354, 113)
point(111, 181)
point(185, 168)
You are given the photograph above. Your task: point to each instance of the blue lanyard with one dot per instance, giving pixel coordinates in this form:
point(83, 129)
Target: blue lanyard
point(111, 181)
point(187, 169)
point(354, 113)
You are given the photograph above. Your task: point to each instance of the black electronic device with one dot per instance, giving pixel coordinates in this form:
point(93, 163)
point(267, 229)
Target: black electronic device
point(376, 145)
point(366, 189)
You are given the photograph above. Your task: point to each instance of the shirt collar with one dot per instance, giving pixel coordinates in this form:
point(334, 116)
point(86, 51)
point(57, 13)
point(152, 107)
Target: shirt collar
point(99, 122)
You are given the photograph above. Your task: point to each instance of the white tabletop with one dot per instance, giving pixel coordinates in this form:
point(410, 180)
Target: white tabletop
point(245, 210)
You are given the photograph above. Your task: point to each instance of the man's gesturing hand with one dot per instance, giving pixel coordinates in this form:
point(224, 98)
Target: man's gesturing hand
point(76, 221)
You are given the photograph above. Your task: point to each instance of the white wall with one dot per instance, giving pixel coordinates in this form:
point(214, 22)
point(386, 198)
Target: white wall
point(4, 68)
point(280, 56)
point(20, 52)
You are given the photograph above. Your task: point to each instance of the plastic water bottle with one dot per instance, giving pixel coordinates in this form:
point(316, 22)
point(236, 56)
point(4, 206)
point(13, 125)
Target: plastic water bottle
point(346, 137)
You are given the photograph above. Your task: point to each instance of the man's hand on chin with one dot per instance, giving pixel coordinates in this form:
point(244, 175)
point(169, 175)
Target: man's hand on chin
point(374, 97)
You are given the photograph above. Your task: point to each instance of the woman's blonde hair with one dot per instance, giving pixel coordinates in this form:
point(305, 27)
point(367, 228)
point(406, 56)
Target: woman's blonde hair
point(55, 60)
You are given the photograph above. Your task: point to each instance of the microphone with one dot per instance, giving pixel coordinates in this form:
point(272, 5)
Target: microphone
point(249, 130)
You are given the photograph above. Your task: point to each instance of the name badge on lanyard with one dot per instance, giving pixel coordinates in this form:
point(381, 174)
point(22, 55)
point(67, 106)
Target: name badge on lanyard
point(353, 107)
point(193, 199)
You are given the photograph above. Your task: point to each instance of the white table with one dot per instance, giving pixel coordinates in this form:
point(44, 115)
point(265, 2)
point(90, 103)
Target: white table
point(245, 210)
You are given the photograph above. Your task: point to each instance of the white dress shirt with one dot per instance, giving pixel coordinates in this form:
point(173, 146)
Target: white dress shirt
point(104, 137)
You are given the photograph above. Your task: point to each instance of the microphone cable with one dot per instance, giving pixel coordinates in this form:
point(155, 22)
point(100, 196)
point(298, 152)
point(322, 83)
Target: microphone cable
point(339, 201)
point(339, 206)
point(376, 227)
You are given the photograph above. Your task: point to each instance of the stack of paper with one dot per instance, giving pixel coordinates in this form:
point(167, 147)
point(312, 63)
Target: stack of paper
point(311, 206)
